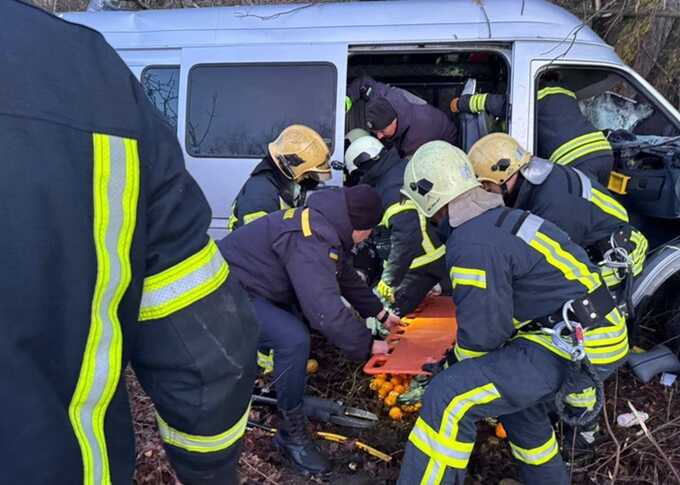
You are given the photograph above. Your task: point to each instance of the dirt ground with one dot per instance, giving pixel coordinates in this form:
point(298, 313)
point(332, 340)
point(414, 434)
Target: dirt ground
point(626, 455)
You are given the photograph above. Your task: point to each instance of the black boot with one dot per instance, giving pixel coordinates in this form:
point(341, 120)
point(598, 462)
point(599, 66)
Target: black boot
point(294, 441)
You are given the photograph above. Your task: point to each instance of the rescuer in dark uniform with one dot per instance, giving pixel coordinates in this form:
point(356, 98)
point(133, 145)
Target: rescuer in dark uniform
point(406, 125)
point(519, 285)
point(412, 252)
point(565, 136)
point(582, 208)
point(106, 263)
point(296, 161)
point(302, 257)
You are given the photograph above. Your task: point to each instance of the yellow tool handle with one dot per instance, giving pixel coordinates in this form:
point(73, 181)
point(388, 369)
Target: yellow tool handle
point(338, 438)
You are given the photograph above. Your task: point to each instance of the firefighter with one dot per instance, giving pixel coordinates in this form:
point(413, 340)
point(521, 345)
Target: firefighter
point(565, 196)
point(296, 161)
point(125, 275)
point(565, 135)
point(408, 244)
point(301, 257)
point(519, 285)
point(406, 125)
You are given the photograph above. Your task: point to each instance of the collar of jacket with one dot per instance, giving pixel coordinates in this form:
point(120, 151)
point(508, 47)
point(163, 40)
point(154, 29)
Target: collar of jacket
point(330, 203)
point(376, 169)
point(471, 204)
point(285, 186)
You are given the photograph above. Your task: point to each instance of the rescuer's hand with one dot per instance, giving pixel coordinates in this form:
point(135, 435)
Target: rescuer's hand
point(379, 347)
point(385, 291)
point(454, 105)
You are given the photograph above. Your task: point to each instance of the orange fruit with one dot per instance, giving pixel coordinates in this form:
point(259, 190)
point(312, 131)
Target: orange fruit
point(381, 376)
point(312, 366)
point(399, 389)
point(395, 413)
point(375, 384)
point(382, 393)
point(387, 387)
point(418, 405)
point(500, 432)
point(390, 400)
point(396, 380)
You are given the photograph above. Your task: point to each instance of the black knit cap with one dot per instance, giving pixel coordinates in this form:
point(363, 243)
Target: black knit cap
point(379, 113)
point(364, 206)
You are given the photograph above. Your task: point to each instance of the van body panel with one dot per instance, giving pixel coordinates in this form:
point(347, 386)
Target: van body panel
point(221, 178)
point(355, 22)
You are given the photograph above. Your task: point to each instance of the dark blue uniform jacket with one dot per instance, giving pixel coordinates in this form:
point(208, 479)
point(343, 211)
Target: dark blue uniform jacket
point(303, 256)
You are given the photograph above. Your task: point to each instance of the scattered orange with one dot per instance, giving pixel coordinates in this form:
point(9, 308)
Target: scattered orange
point(387, 387)
point(312, 366)
point(390, 400)
point(500, 432)
point(395, 413)
point(396, 380)
point(399, 389)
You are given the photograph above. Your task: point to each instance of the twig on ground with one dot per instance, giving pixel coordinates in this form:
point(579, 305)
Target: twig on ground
point(615, 473)
point(654, 442)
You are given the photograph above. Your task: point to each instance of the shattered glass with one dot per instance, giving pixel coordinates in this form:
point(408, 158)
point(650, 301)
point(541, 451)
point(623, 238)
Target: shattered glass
point(614, 111)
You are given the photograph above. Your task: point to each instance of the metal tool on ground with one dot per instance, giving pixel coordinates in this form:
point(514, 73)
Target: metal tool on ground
point(336, 438)
point(328, 411)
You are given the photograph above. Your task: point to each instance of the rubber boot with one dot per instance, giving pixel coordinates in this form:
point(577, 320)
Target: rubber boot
point(295, 442)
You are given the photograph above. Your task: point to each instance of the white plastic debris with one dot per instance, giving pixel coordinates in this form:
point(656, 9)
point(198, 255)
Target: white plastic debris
point(627, 420)
point(667, 379)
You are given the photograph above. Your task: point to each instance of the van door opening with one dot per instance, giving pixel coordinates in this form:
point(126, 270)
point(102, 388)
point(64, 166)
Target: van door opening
point(435, 77)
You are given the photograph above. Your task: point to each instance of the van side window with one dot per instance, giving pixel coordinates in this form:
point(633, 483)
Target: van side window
point(611, 102)
point(161, 85)
point(235, 110)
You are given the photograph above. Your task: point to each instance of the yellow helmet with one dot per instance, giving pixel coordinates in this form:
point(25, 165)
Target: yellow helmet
point(300, 151)
point(497, 157)
point(437, 174)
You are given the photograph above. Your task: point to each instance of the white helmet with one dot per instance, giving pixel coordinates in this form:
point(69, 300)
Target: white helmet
point(354, 135)
point(437, 174)
point(361, 151)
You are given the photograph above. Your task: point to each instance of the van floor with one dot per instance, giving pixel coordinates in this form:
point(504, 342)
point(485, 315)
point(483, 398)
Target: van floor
point(491, 463)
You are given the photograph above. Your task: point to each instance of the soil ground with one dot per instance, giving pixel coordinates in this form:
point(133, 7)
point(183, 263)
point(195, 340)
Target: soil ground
point(642, 458)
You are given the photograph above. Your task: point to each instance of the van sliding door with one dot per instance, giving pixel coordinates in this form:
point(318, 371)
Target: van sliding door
point(238, 99)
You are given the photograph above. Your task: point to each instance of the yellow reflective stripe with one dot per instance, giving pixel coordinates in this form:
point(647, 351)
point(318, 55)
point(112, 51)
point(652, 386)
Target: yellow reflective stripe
point(304, 221)
point(468, 277)
point(571, 268)
point(115, 196)
point(428, 247)
point(446, 451)
point(266, 361)
point(460, 405)
point(609, 205)
point(555, 90)
point(462, 353)
point(428, 258)
point(183, 284)
point(203, 444)
point(539, 455)
point(253, 216)
point(638, 255)
point(348, 103)
point(584, 399)
point(544, 341)
point(579, 147)
point(477, 102)
point(446, 439)
point(395, 209)
point(609, 344)
point(288, 214)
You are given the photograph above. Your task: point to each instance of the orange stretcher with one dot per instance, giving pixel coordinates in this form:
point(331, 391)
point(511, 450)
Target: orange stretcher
point(430, 333)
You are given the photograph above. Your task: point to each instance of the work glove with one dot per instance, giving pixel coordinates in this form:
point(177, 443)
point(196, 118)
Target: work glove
point(385, 291)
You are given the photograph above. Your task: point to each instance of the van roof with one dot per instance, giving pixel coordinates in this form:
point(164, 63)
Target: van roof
point(389, 21)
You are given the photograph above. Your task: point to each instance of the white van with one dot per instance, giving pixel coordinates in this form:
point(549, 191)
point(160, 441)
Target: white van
point(231, 78)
